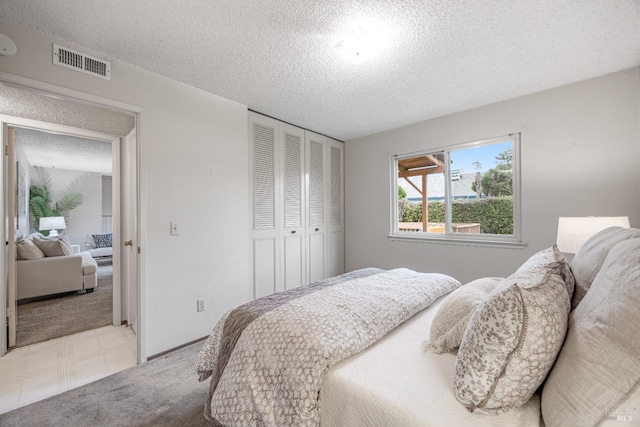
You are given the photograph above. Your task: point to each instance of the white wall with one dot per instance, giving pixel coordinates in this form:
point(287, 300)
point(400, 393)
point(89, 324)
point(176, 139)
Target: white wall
point(580, 156)
point(194, 170)
point(86, 218)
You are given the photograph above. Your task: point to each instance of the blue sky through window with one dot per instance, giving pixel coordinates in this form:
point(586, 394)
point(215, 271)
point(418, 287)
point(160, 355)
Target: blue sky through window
point(485, 154)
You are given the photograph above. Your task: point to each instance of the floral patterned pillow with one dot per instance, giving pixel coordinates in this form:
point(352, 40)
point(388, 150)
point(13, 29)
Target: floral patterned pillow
point(103, 240)
point(514, 337)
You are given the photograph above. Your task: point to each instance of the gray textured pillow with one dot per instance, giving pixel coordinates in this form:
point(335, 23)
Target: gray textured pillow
point(591, 255)
point(451, 320)
point(599, 364)
point(513, 337)
point(28, 250)
point(53, 247)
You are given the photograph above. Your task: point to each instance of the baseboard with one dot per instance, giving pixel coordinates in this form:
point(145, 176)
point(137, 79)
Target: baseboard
point(171, 350)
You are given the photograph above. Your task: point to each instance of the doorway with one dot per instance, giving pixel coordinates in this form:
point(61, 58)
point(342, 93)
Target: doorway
point(61, 174)
point(124, 205)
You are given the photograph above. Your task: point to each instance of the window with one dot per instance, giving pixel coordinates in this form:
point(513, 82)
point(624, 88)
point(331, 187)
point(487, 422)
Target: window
point(464, 193)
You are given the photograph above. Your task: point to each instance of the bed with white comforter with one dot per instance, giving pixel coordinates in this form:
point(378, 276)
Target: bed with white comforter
point(349, 350)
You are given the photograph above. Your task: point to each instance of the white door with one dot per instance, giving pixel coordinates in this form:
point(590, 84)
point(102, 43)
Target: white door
point(129, 255)
point(335, 174)
point(293, 209)
point(316, 228)
point(10, 224)
point(264, 209)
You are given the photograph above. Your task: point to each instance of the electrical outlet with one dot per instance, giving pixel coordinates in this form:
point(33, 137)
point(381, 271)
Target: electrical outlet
point(200, 306)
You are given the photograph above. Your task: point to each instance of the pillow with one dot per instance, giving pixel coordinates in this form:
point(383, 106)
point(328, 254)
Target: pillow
point(451, 320)
point(28, 250)
point(53, 247)
point(103, 240)
point(599, 364)
point(591, 255)
point(514, 337)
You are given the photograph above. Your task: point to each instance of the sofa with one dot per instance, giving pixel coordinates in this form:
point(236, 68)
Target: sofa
point(48, 266)
point(99, 245)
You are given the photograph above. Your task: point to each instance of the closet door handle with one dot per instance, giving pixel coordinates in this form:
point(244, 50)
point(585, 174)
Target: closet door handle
point(317, 229)
point(128, 243)
point(293, 231)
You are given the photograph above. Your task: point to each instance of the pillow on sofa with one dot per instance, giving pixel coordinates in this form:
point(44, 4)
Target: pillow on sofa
point(451, 320)
point(514, 337)
point(28, 250)
point(599, 364)
point(53, 247)
point(103, 240)
point(591, 255)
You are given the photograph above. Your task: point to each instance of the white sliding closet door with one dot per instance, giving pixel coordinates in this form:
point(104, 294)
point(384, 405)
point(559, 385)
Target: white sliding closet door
point(336, 208)
point(293, 212)
point(316, 218)
point(264, 194)
point(277, 202)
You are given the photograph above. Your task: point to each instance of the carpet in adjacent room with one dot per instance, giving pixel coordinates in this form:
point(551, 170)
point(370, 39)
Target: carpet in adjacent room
point(45, 319)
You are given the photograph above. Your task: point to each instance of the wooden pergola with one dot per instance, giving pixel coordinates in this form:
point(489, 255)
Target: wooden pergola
point(421, 166)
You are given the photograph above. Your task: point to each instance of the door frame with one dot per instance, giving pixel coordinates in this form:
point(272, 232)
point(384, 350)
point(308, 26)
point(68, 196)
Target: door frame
point(82, 97)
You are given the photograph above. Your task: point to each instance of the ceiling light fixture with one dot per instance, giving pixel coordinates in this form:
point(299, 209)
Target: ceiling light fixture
point(359, 45)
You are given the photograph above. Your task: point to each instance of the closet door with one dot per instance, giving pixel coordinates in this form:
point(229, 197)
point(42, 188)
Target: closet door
point(316, 226)
point(293, 207)
point(335, 211)
point(264, 153)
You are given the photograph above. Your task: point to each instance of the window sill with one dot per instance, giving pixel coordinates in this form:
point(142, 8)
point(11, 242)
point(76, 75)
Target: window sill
point(461, 241)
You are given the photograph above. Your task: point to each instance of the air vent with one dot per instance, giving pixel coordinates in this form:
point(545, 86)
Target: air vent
point(78, 61)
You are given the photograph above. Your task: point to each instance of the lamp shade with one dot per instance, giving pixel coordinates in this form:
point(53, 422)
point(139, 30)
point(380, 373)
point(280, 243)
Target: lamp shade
point(52, 223)
point(574, 231)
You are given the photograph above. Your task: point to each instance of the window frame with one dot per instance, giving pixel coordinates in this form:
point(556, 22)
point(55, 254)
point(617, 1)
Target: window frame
point(448, 237)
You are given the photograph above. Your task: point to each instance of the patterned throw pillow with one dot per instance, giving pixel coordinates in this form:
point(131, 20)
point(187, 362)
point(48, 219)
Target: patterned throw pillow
point(514, 337)
point(103, 240)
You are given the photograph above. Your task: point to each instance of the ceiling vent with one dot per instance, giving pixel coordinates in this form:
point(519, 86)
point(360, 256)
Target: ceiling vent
point(78, 61)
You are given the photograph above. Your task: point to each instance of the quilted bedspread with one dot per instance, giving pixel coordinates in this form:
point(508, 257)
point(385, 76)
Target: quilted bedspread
point(267, 358)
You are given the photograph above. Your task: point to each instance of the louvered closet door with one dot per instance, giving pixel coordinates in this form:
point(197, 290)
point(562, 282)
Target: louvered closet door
point(292, 236)
point(316, 225)
point(335, 173)
point(264, 195)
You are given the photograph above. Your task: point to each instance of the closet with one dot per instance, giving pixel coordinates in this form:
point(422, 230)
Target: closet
point(297, 199)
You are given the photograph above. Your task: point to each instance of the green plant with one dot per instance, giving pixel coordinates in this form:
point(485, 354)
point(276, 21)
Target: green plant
point(41, 201)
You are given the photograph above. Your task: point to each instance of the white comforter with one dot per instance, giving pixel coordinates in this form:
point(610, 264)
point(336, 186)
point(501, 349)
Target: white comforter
point(394, 383)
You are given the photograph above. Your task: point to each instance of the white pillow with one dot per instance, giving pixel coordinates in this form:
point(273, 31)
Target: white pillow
point(514, 337)
point(53, 247)
point(450, 322)
point(591, 255)
point(599, 364)
point(28, 250)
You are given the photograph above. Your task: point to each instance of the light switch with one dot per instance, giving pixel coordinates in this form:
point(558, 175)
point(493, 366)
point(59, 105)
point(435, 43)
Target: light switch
point(175, 228)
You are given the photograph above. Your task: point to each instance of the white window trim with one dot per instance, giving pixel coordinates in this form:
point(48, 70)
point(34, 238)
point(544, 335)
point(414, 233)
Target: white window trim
point(491, 240)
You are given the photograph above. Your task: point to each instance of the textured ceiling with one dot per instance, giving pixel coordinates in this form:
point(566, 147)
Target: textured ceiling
point(33, 105)
point(278, 56)
point(50, 150)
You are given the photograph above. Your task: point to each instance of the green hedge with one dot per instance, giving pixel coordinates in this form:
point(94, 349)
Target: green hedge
point(495, 214)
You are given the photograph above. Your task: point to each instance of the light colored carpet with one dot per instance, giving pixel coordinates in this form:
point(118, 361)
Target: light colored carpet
point(45, 319)
point(163, 392)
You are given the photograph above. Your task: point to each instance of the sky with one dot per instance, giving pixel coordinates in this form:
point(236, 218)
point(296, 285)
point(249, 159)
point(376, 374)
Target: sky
point(485, 154)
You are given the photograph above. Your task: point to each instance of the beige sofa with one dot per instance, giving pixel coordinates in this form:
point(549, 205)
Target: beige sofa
point(56, 274)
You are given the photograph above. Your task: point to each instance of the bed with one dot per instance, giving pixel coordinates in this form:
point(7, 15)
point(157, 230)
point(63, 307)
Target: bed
point(350, 350)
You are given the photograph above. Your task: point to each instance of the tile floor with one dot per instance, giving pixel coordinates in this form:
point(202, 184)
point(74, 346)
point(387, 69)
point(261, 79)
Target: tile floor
point(38, 371)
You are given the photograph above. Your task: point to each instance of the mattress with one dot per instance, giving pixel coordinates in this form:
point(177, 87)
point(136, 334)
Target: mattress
point(395, 383)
